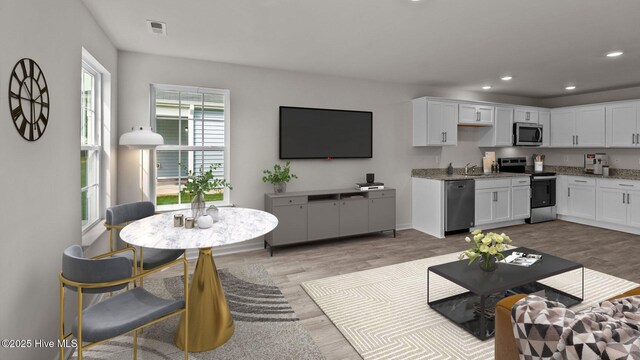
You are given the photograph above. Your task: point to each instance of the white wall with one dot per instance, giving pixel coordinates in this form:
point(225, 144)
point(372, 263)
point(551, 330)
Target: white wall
point(256, 95)
point(40, 182)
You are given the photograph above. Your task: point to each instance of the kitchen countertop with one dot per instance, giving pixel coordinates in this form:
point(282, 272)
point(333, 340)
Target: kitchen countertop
point(458, 173)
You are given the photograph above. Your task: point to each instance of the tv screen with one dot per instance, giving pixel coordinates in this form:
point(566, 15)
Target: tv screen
point(307, 133)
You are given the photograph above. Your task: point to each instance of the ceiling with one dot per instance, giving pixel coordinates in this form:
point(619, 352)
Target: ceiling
point(459, 44)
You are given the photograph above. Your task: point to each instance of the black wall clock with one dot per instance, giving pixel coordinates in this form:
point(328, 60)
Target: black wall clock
point(29, 99)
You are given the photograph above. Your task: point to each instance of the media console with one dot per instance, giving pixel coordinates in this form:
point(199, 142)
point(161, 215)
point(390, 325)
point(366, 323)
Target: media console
point(324, 214)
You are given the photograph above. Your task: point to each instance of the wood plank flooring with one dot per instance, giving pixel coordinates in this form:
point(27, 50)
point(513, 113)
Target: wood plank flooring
point(608, 251)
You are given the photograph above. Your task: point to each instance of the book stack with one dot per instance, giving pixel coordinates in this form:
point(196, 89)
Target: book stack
point(369, 186)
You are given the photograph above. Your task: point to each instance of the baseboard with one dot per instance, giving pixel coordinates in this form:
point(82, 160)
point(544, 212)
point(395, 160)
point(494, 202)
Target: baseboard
point(498, 225)
point(600, 224)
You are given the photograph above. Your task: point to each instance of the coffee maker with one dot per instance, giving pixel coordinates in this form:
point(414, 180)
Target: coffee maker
point(593, 163)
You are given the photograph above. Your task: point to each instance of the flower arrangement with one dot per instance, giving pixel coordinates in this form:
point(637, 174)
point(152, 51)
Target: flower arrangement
point(279, 177)
point(198, 185)
point(488, 247)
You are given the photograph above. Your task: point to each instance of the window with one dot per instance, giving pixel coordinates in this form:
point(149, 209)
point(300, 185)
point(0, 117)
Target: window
point(195, 125)
point(90, 145)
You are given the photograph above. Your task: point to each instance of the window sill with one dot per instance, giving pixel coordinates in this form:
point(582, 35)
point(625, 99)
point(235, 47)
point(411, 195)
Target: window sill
point(93, 233)
point(169, 208)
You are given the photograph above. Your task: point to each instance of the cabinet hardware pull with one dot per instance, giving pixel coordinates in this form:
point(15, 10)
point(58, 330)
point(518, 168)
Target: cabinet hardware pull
point(573, 139)
point(623, 195)
point(290, 200)
point(581, 181)
point(577, 139)
point(568, 192)
point(528, 116)
point(477, 115)
point(633, 139)
point(300, 206)
point(443, 136)
point(628, 198)
point(446, 136)
point(629, 185)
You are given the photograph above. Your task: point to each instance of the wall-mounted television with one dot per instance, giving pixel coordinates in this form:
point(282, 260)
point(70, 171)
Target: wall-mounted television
point(307, 133)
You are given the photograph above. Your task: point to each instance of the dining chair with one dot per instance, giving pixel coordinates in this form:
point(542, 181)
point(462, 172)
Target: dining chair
point(119, 216)
point(125, 311)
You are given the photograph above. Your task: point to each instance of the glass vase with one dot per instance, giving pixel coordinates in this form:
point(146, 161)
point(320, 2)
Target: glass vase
point(488, 263)
point(280, 187)
point(198, 206)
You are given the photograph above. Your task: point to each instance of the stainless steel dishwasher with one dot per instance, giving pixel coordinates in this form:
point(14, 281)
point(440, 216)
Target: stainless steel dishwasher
point(459, 206)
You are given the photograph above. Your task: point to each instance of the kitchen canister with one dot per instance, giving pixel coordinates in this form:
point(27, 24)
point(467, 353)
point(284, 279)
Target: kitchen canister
point(189, 223)
point(537, 166)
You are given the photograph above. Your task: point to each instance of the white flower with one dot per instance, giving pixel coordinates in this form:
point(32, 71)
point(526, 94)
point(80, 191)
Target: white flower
point(484, 248)
point(492, 250)
point(467, 239)
point(476, 232)
point(478, 237)
point(487, 240)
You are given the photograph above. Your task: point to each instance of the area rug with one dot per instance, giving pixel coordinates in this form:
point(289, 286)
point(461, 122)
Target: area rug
point(266, 327)
point(383, 312)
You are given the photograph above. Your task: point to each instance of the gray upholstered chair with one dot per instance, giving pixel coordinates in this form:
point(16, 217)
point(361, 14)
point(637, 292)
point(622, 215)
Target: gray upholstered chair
point(119, 216)
point(125, 311)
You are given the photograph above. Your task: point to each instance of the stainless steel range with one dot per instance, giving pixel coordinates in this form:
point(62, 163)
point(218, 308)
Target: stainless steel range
point(543, 188)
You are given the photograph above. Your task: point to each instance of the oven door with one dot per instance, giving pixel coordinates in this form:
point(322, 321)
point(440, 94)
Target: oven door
point(526, 134)
point(543, 191)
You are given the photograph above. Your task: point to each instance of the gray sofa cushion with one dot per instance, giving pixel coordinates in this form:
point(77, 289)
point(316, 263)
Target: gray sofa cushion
point(77, 268)
point(122, 313)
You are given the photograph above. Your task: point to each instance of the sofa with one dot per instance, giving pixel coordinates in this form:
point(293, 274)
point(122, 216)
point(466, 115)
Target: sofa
point(505, 343)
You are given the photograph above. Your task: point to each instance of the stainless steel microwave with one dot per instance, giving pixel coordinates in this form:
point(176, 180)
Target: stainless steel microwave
point(527, 134)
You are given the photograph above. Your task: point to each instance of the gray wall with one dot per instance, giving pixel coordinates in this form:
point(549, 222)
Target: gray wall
point(40, 186)
point(256, 95)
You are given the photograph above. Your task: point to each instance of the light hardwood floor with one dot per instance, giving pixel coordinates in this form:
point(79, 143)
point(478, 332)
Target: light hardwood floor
point(608, 251)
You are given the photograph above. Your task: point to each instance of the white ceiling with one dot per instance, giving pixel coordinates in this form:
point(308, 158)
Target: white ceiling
point(461, 44)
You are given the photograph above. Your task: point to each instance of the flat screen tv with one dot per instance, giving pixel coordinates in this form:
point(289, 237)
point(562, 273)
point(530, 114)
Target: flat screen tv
point(307, 133)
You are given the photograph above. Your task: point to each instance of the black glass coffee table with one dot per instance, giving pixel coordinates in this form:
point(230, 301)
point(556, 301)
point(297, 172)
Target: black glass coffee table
point(474, 310)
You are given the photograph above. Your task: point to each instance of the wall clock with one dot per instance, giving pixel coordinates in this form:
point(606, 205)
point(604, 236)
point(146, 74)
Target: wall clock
point(29, 99)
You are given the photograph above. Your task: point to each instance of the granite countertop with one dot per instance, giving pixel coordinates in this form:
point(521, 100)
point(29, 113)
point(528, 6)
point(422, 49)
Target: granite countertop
point(458, 173)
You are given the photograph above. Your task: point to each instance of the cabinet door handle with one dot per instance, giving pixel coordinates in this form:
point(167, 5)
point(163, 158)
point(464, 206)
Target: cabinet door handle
point(300, 206)
point(577, 139)
point(628, 185)
point(573, 140)
point(633, 139)
point(528, 116)
point(623, 195)
point(628, 198)
point(581, 181)
point(477, 115)
point(568, 192)
point(445, 136)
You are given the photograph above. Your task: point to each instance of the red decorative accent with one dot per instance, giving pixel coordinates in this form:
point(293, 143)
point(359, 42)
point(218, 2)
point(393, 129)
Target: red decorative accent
point(329, 158)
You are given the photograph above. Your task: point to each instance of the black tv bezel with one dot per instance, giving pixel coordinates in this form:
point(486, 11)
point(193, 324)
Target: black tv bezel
point(322, 157)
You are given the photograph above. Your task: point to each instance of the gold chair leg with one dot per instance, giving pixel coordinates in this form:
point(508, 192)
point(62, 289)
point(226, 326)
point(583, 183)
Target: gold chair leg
point(79, 289)
point(61, 320)
point(135, 344)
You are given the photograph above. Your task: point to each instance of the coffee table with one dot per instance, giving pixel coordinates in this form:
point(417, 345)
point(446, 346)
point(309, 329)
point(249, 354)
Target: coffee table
point(474, 310)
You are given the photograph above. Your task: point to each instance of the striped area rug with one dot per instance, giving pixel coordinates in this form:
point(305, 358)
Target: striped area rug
point(384, 314)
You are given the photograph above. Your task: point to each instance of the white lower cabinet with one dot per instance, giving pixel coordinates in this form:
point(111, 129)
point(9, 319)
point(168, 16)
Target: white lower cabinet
point(619, 202)
point(520, 203)
point(493, 201)
point(582, 201)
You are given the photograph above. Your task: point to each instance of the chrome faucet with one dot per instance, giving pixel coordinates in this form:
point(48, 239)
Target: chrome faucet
point(467, 168)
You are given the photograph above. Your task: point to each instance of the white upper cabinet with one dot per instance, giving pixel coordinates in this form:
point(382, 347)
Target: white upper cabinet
point(622, 128)
point(434, 122)
point(562, 128)
point(526, 115)
point(501, 134)
point(582, 126)
point(544, 119)
point(476, 115)
point(590, 126)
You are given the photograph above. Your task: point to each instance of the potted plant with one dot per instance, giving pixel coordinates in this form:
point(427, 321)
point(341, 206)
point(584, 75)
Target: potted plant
point(487, 247)
point(279, 177)
point(198, 185)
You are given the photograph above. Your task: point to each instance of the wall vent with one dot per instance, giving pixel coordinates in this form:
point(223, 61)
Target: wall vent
point(157, 27)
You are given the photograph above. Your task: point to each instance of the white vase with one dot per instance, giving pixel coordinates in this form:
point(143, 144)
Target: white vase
point(205, 222)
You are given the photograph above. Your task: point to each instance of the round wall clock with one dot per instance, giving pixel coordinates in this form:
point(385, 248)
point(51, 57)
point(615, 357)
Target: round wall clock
point(29, 99)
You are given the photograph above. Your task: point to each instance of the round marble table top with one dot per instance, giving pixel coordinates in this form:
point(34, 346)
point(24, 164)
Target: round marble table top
point(233, 225)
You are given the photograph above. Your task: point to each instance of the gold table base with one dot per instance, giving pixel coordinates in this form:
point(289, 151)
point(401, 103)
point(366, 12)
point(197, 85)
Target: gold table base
point(210, 321)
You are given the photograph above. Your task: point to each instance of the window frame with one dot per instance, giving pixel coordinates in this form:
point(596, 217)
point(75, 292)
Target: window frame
point(98, 145)
point(226, 149)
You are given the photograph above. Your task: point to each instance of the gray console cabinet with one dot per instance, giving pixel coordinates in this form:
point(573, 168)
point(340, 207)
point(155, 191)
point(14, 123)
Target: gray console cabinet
point(324, 214)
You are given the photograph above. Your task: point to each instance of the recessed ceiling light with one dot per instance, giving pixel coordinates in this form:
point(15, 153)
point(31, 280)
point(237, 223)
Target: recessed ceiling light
point(486, 87)
point(570, 87)
point(614, 54)
point(506, 78)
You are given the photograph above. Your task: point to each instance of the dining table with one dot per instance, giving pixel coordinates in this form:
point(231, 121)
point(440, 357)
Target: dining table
point(210, 322)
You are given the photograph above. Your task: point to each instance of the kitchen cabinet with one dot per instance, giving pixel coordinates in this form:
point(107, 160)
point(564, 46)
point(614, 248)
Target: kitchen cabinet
point(476, 115)
point(520, 202)
point(623, 125)
point(492, 201)
point(580, 197)
point(526, 115)
point(501, 133)
point(582, 126)
point(619, 202)
point(544, 119)
point(434, 122)
point(354, 216)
